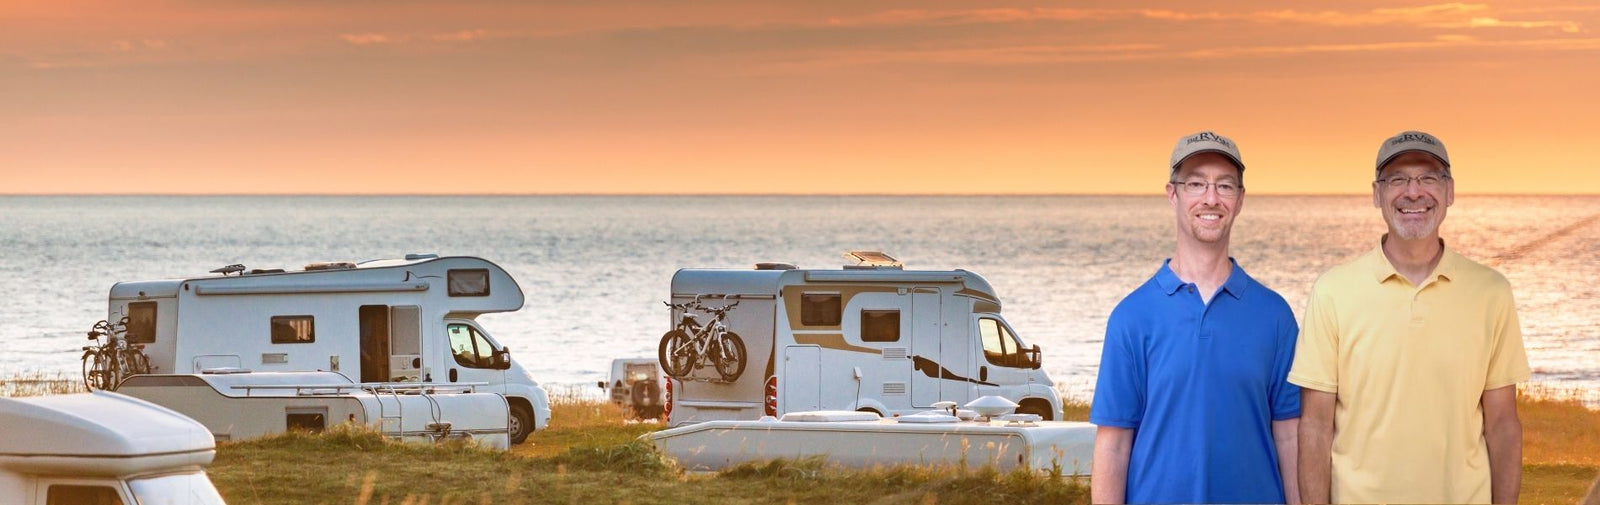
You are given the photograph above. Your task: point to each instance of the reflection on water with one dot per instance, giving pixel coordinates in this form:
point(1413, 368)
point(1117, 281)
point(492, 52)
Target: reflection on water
point(596, 268)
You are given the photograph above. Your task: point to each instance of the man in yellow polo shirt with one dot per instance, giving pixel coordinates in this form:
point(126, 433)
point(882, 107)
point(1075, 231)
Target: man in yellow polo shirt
point(1409, 357)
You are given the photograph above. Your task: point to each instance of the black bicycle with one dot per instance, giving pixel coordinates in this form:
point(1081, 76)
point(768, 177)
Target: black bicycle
point(107, 363)
point(689, 343)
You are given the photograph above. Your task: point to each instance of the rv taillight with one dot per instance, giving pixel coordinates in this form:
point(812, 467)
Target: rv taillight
point(772, 396)
point(667, 410)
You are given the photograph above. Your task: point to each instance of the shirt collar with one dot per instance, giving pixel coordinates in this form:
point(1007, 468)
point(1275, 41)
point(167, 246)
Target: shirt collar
point(1383, 270)
point(1235, 285)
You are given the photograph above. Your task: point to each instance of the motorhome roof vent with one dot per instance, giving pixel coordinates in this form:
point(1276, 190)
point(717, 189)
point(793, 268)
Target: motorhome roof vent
point(774, 266)
point(224, 370)
point(872, 260)
point(255, 271)
point(330, 265)
point(420, 256)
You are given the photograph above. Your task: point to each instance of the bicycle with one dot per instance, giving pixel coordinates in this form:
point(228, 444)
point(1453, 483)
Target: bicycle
point(106, 364)
point(689, 342)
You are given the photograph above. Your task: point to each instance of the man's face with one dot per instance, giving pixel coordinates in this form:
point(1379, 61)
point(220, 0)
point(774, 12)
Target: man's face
point(1412, 208)
point(1206, 216)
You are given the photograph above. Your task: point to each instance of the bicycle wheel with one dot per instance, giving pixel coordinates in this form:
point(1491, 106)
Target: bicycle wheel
point(100, 374)
point(676, 353)
point(729, 356)
point(137, 362)
point(90, 364)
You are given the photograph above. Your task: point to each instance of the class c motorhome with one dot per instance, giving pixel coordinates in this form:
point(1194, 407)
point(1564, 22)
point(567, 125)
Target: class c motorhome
point(869, 337)
point(395, 320)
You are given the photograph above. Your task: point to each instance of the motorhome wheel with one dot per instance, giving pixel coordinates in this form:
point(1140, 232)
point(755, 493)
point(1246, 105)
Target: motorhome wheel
point(1037, 408)
point(521, 423)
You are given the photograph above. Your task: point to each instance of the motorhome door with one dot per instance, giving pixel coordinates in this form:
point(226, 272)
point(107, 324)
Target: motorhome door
point(927, 347)
point(391, 343)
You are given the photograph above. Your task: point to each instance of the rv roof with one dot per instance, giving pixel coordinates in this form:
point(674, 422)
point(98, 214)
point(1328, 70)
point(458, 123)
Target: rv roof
point(97, 424)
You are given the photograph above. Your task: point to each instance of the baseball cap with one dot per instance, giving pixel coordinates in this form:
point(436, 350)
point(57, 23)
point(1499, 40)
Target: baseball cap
point(1412, 140)
point(1205, 142)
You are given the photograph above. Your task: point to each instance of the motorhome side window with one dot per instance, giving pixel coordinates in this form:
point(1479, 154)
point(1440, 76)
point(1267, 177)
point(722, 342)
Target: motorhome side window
point(468, 282)
point(820, 309)
point(67, 494)
point(293, 330)
point(880, 326)
point(141, 323)
point(469, 347)
point(999, 346)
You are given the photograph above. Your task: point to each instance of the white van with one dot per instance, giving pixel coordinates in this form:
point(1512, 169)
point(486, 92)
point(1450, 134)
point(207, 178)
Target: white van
point(102, 448)
point(869, 337)
point(635, 384)
point(396, 320)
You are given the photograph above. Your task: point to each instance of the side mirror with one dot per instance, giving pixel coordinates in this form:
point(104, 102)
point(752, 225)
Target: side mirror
point(601, 384)
point(502, 359)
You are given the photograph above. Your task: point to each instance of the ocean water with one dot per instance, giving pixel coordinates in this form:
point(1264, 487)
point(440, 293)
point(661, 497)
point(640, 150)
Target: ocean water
point(596, 268)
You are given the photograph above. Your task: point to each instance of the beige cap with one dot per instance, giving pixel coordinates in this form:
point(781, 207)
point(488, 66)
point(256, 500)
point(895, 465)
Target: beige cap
point(1411, 140)
point(1205, 142)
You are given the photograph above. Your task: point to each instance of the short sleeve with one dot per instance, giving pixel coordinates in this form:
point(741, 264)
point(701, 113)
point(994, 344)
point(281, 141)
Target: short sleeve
point(1119, 390)
point(1316, 355)
point(1508, 361)
point(1285, 397)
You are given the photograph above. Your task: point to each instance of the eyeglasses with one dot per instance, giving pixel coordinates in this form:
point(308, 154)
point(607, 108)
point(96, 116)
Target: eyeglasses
point(1224, 188)
point(1426, 180)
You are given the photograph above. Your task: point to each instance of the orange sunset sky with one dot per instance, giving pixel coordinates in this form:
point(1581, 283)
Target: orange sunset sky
point(762, 96)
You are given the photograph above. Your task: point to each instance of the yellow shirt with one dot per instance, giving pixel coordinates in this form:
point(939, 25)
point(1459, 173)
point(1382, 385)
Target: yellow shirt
point(1409, 365)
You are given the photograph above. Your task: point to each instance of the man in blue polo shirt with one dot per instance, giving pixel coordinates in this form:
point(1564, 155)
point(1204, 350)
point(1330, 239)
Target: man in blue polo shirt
point(1192, 402)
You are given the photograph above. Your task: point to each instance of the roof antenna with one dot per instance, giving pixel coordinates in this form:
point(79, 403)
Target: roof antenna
point(230, 269)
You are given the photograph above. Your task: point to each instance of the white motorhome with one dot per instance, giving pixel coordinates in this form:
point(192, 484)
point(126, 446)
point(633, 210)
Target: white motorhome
point(635, 384)
point(395, 320)
point(102, 447)
point(869, 337)
point(246, 405)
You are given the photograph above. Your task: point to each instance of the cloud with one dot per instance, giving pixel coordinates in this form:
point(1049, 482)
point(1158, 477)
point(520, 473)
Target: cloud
point(1448, 15)
point(362, 39)
point(461, 36)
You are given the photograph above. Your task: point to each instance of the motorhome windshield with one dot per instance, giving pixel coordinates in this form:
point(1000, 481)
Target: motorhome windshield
point(182, 488)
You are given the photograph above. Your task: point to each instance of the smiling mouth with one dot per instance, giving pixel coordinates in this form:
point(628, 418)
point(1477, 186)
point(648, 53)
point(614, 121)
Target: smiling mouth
point(1422, 210)
point(1210, 217)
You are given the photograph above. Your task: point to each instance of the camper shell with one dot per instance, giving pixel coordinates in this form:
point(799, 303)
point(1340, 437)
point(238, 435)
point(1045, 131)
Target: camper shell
point(102, 447)
point(863, 338)
point(242, 406)
point(392, 320)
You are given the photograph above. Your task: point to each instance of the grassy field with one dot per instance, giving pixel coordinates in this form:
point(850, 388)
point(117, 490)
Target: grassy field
point(590, 455)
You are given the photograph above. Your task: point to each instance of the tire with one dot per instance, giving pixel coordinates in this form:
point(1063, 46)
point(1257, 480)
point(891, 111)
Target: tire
point(90, 362)
point(1037, 408)
point(646, 397)
point(100, 372)
point(730, 356)
point(520, 424)
point(676, 354)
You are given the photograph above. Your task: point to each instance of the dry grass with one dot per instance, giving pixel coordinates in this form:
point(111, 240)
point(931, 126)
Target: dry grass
point(39, 384)
point(1558, 429)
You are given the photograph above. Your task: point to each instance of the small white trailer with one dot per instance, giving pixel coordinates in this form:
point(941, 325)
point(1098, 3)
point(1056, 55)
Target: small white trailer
point(242, 406)
point(102, 448)
point(395, 320)
point(863, 440)
point(868, 337)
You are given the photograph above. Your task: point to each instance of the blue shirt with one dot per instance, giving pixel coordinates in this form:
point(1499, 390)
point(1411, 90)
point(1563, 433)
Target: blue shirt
point(1200, 384)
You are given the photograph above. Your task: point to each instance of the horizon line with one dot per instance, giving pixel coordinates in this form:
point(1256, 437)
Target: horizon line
point(451, 195)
